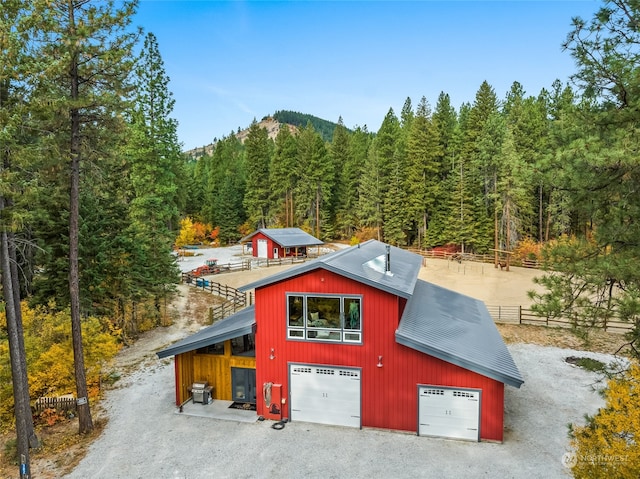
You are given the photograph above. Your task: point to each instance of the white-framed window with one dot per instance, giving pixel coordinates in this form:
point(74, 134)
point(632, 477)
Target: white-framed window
point(334, 318)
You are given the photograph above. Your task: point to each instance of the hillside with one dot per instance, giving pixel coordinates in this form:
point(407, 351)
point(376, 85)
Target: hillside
point(272, 124)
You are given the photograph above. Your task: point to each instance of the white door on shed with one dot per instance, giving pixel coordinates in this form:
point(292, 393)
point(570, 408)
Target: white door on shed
point(326, 395)
point(262, 248)
point(449, 412)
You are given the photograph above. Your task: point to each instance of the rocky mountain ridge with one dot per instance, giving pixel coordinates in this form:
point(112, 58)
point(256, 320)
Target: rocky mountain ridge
point(268, 123)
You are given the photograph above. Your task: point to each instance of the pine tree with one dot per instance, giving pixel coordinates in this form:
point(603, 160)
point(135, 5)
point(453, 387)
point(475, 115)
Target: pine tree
point(594, 277)
point(445, 122)
point(87, 50)
point(226, 189)
point(256, 200)
point(461, 213)
point(423, 181)
point(340, 157)
point(316, 181)
point(513, 179)
point(348, 216)
point(283, 177)
point(155, 174)
point(375, 184)
point(479, 174)
point(12, 48)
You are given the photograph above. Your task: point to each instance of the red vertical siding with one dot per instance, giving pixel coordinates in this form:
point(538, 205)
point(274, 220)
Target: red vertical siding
point(270, 246)
point(389, 393)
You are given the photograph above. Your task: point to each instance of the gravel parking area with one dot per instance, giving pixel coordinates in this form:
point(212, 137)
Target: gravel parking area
point(147, 438)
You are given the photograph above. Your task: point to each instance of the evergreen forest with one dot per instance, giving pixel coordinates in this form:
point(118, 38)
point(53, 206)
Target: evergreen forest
point(94, 184)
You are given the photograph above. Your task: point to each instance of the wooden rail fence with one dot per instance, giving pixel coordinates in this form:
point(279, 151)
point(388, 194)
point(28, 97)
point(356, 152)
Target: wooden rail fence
point(221, 311)
point(478, 258)
point(520, 315)
point(57, 403)
point(235, 300)
point(266, 262)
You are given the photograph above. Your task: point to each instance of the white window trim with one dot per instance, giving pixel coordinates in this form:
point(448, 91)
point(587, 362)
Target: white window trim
point(293, 332)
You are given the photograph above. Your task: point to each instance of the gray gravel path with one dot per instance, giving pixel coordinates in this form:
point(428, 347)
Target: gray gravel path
point(146, 439)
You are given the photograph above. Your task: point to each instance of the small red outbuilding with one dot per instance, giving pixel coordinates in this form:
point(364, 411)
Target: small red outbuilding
point(354, 338)
point(274, 243)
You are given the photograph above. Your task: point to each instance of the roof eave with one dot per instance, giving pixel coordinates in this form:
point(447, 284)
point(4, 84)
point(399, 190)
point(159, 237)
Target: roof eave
point(174, 351)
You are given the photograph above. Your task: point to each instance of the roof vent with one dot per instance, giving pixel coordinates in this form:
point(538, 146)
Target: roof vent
point(387, 265)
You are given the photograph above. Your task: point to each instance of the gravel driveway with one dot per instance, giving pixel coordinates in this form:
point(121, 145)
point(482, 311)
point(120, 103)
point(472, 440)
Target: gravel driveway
point(145, 438)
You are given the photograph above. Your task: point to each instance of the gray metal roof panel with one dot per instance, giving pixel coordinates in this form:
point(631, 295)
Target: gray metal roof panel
point(237, 324)
point(365, 263)
point(457, 329)
point(287, 237)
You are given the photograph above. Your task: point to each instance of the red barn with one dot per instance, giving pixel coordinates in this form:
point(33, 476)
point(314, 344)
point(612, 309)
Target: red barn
point(354, 338)
point(274, 243)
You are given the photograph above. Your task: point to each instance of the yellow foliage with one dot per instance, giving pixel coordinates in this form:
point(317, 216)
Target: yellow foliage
point(609, 445)
point(49, 351)
point(366, 233)
point(187, 233)
point(527, 249)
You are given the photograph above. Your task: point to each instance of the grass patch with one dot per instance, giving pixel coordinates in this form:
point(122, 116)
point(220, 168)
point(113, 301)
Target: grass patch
point(588, 364)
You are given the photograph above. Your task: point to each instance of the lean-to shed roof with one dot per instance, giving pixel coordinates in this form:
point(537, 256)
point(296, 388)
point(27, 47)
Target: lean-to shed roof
point(236, 325)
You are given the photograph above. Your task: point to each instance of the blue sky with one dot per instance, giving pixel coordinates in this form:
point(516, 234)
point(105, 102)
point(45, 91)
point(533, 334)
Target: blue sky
point(233, 61)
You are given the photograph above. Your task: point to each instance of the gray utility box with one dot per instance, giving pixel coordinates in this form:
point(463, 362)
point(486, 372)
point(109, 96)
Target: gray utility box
point(201, 392)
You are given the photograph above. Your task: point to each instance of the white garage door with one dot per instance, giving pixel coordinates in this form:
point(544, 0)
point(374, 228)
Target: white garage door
point(326, 395)
point(262, 248)
point(448, 412)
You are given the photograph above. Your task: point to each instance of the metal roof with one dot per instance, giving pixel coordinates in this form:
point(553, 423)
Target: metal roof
point(237, 324)
point(436, 321)
point(286, 237)
point(457, 329)
point(365, 263)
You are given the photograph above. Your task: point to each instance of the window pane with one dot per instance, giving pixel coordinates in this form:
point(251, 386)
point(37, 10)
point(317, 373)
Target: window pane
point(324, 335)
point(352, 337)
point(217, 348)
point(352, 313)
point(243, 346)
point(296, 333)
point(323, 312)
point(295, 311)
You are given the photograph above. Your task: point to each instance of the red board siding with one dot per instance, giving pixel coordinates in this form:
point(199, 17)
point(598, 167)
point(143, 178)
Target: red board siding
point(271, 245)
point(389, 393)
point(254, 245)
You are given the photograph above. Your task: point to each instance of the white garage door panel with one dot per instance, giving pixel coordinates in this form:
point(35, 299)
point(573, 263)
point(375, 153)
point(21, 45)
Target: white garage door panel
point(262, 248)
point(452, 413)
point(325, 395)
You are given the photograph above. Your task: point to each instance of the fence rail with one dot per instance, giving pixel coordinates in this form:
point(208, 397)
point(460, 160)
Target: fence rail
point(478, 258)
point(235, 300)
point(222, 290)
point(266, 262)
point(221, 311)
point(57, 403)
point(520, 315)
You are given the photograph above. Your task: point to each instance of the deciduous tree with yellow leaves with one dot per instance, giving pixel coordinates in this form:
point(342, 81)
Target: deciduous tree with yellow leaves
point(608, 445)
